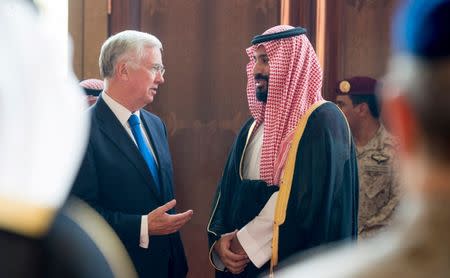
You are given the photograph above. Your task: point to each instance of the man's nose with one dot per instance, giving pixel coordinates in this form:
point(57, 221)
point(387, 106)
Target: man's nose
point(159, 78)
point(257, 68)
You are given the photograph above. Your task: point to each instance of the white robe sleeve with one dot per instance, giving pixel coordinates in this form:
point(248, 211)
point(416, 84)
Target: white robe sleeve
point(256, 236)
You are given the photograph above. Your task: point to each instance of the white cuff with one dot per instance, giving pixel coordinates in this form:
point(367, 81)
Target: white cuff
point(144, 240)
point(258, 254)
point(256, 236)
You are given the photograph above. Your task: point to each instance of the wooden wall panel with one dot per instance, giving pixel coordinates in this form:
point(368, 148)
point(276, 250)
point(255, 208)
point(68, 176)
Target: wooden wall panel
point(303, 13)
point(333, 47)
point(95, 34)
point(76, 31)
point(357, 39)
point(88, 23)
point(366, 37)
point(125, 15)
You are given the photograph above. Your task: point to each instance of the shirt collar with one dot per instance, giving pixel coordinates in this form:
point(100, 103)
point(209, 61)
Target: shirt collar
point(122, 113)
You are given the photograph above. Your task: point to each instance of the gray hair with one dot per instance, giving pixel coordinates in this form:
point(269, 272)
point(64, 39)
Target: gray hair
point(128, 45)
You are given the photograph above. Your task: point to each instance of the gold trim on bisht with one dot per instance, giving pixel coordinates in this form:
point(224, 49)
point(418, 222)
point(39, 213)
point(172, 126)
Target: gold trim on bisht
point(210, 257)
point(286, 183)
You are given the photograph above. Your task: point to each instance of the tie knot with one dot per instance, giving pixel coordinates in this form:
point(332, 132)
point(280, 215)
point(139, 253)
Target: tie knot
point(134, 120)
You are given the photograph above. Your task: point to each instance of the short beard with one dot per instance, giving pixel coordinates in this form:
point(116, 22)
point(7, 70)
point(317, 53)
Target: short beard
point(261, 96)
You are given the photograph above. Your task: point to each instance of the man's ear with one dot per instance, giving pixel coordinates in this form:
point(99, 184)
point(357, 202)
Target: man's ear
point(400, 117)
point(122, 71)
point(363, 108)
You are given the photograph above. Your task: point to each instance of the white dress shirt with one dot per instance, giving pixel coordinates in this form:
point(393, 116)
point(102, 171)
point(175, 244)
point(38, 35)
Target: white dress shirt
point(123, 114)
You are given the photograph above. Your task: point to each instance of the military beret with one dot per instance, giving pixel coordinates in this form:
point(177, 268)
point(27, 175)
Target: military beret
point(421, 28)
point(357, 86)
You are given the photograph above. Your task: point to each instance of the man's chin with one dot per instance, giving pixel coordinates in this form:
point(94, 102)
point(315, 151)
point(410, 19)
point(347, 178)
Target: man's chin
point(150, 97)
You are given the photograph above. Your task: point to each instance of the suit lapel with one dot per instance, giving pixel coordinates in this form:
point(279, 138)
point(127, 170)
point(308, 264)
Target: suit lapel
point(113, 129)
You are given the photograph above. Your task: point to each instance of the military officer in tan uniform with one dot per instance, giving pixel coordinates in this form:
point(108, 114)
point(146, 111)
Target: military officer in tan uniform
point(376, 147)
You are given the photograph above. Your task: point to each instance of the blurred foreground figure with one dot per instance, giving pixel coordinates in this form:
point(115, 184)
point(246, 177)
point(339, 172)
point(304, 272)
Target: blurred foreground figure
point(417, 98)
point(43, 132)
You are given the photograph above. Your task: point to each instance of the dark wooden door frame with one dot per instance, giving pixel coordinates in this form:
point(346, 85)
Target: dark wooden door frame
point(125, 14)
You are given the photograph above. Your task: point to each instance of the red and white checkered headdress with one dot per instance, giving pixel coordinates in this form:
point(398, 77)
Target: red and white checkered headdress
point(92, 84)
point(295, 84)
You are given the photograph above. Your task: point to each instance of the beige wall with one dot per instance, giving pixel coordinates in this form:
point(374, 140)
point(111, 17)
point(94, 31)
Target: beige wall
point(88, 26)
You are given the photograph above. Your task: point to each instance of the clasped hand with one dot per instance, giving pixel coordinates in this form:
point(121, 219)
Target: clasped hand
point(231, 253)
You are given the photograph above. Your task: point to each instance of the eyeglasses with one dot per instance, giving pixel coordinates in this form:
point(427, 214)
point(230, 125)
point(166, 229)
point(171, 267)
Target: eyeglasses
point(157, 68)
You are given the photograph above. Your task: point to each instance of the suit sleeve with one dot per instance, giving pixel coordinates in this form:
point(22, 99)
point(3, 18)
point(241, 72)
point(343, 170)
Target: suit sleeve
point(86, 187)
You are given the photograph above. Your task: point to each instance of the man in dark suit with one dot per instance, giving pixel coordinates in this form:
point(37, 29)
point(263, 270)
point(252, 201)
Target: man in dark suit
point(127, 171)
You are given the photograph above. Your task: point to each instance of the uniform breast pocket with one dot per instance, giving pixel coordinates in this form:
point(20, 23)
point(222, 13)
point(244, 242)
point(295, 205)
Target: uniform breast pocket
point(377, 181)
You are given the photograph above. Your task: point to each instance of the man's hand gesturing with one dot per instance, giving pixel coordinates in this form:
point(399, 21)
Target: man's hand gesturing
point(162, 223)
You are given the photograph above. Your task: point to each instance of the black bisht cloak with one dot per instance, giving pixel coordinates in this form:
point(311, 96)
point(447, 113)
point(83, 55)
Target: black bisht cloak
point(323, 202)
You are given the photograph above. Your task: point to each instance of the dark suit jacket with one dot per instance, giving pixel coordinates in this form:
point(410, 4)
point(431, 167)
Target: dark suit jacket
point(115, 180)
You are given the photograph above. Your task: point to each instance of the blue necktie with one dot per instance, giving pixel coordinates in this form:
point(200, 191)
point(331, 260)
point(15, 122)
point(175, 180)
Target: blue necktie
point(143, 148)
